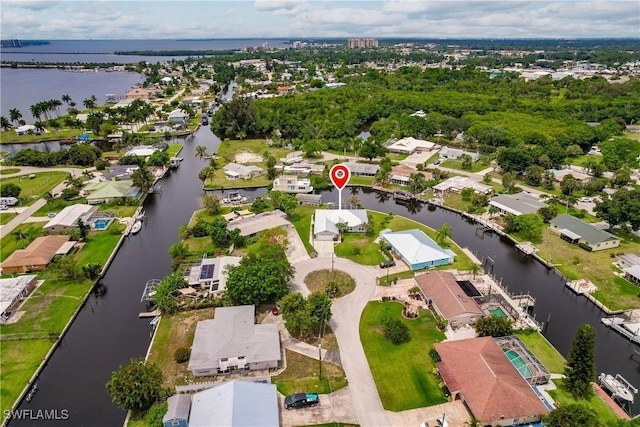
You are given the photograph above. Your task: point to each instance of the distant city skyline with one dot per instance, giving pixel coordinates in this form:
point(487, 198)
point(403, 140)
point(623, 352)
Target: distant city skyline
point(291, 19)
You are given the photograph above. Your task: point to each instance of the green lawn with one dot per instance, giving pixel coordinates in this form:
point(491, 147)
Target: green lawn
point(230, 148)
point(56, 205)
point(387, 280)
point(174, 149)
point(13, 241)
point(409, 382)
point(120, 211)
point(576, 263)
point(6, 217)
point(318, 280)
point(595, 403)
point(99, 246)
point(302, 375)
point(63, 133)
point(301, 220)
point(43, 182)
point(361, 180)
point(9, 171)
point(481, 164)
point(543, 350)
point(220, 181)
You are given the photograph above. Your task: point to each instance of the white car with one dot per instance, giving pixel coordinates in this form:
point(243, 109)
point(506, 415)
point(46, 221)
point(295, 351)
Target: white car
point(585, 200)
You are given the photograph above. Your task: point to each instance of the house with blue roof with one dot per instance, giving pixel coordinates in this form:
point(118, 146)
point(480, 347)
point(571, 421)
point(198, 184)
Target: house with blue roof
point(417, 249)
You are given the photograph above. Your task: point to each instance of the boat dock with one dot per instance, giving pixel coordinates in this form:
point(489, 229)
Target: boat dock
point(626, 325)
point(147, 314)
point(527, 248)
point(582, 286)
point(610, 402)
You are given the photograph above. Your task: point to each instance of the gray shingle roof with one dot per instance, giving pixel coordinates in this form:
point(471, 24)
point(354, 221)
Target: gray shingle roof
point(517, 204)
point(590, 234)
point(178, 408)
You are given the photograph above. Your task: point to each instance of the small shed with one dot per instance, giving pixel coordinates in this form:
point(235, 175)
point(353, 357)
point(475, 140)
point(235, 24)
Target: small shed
point(178, 409)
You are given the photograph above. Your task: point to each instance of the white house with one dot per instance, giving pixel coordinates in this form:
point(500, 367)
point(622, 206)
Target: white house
point(232, 342)
point(210, 273)
point(326, 221)
point(416, 249)
point(456, 153)
point(456, 184)
point(141, 151)
point(516, 204)
point(68, 218)
point(178, 116)
point(292, 184)
point(410, 145)
point(238, 171)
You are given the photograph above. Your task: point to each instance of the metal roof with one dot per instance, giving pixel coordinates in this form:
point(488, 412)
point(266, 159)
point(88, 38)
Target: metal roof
point(236, 404)
point(590, 234)
point(415, 246)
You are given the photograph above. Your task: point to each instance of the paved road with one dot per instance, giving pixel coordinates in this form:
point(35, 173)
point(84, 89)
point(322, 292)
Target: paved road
point(345, 324)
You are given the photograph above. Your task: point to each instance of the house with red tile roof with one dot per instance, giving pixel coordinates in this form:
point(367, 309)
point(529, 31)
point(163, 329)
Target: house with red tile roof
point(477, 371)
point(448, 298)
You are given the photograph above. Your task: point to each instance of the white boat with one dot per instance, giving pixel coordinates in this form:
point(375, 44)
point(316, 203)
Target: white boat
point(234, 198)
point(618, 386)
point(136, 227)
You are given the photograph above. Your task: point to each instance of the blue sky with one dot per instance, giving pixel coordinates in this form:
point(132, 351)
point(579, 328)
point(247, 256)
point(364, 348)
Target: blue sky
point(153, 19)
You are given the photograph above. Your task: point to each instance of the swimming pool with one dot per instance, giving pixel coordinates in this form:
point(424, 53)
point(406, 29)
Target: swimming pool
point(102, 223)
point(497, 311)
point(518, 363)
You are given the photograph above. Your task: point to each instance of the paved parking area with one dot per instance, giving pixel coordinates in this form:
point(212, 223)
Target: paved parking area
point(455, 414)
point(334, 407)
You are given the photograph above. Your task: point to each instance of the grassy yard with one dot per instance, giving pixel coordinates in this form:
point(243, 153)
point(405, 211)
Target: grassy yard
point(173, 332)
point(20, 238)
point(576, 263)
point(230, 148)
point(301, 220)
point(99, 246)
point(120, 211)
point(302, 375)
point(9, 171)
point(63, 133)
point(318, 280)
point(412, 383)
point(543, 350)
point(387, 281)
point(174, 149)
point(595, 403)
point(361, 180)
point(220, 181)
point(6, 217)
point(481, 164)
point(43, 182)
point(56, 205)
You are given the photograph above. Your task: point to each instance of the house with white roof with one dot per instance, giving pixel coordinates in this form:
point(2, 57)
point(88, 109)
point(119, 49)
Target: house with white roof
point(232, 342)
point(456, 153)
point(516, 204)
point(325, 223)
point(141, 151)
point(68, 218)
point(236, 404)
point(238, 171)
point(416, 249)
point(456, 184)
point(410, 145)
point(292, 184)
point(178, 116)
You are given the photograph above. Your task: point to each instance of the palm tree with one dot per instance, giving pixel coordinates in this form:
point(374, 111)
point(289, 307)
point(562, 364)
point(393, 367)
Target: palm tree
point(39, 126)
point(5, 125)
point(201, 151)
point(417, 183)
point(89, 104)
point(55, 104)
point(66, 99)
point(36, 111)
point(443, 233)
point(15, 115)
point(48, 196)
point(475, 269)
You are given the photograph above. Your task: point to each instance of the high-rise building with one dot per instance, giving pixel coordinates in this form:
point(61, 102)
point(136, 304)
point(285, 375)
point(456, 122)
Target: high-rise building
point(362, 43)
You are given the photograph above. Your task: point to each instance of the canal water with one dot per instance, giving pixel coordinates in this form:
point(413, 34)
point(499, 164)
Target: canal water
point(107, 333)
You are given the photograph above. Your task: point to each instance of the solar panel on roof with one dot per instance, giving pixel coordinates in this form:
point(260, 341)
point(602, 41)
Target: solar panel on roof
point(207, 271)
point(468, 288)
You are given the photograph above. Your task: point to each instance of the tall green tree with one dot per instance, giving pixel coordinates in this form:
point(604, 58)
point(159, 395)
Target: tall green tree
point(572, 415)
point(143, 178)
point(580, 368)
point(443, 233)
point(494, 326)
point(136, 386)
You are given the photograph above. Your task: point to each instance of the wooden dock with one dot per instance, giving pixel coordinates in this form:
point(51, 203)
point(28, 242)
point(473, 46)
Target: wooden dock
point(146, 314)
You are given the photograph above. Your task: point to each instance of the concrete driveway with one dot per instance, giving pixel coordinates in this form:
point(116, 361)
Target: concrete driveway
point(334, 407)
point(345, 324)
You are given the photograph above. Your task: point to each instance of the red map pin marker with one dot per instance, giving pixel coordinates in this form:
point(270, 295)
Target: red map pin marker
point(340, 175)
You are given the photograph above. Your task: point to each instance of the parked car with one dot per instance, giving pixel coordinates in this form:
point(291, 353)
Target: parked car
point(585, 200)
point(4, 207)
point(301, 400)
point(388, 263)
point(437, 162)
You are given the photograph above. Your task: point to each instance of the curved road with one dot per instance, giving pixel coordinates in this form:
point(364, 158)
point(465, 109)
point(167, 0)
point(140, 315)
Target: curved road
point(346, 325)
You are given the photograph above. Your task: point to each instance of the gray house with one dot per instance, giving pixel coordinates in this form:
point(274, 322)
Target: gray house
point(236, 404)
point(575, 231)
point(177, 411)
point(238, 171)
point(516, 204)
point(362, 169)
point(232, 342)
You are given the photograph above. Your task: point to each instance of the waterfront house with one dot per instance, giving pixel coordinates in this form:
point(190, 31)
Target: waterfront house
point(139, 93)
point(238, 171)
point(109, 191)
point(575, 231)
point(326, 221)
point(410, 145)
point(252, 225)
point(178, 116)
point(456, 184)
point(210, 273)
point(309, 199)
point(141, 151)
point(448, 299)
point(292, 184)
point(236, 404)
point(178, 407)
point(37, 255)
point(303, 169)
point(119, 172)
point(401, 174)
point(477, 371)
point(68, 218)
point(13, 291)
point(416, 249)
point(25, 130)
point(362, 169)
point(232, 342)
point(516, 204)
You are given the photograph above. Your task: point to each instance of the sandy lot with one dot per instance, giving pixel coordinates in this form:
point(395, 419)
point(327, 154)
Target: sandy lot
point(247, 157)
